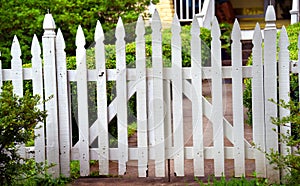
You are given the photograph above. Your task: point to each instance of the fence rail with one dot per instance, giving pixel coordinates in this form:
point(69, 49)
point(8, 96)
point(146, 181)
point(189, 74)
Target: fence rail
point(160, 131)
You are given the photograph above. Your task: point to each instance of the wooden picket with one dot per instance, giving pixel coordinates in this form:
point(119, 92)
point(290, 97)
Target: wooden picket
point(37, 86)
point(141, 98)
point(102, 123)
point(258, 102)
point(237, 101)
point(160, 92)
point(217, 101)
point(284, 86)
point(82, 97)
point(197, 112)
point(63, 99)
point(121, 88)
point(158, 99)
point(177, 98)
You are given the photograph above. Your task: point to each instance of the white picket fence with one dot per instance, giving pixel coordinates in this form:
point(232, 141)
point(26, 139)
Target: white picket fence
point(152, 88)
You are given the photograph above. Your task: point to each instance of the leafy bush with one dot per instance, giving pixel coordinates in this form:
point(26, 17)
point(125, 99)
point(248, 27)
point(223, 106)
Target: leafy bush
point(18, 118)
point(289, 162)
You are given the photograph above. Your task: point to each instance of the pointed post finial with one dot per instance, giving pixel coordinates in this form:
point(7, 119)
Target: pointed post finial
point(49, 25)
point(270, 18)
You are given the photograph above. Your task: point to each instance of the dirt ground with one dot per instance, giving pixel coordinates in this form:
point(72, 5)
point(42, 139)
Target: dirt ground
point(131, 177)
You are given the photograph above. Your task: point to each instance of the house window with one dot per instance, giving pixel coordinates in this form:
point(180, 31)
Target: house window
point(186, 9)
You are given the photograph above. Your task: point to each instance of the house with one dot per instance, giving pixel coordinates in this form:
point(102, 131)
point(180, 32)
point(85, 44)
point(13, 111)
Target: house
point(247, 11)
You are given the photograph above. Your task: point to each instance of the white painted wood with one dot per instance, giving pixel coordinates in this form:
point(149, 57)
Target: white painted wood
point(177, 97)
point(237, 101)
point(1, 75)
point(168, 113)
point(63, 105)
point(82, 93)
point(217, 102)
point(52, 144)
point(158, 100)
point(150, 100)
point(197, 112)
point(141, 98)
point(188, 153)
point(37, 87)
point(284, 89)
point(131, 73)
point(258, 102)
point(17, 79)
point(102, 121)
point(270, 86)
point(121, 87)
point(16, 66)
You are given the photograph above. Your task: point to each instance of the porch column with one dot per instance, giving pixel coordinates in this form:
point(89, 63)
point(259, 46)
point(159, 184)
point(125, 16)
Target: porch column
point(295, 12)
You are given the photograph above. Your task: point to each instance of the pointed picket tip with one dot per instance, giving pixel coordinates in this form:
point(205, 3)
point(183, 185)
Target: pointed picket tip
point(60, 38)
point(35, 46)
point(80, 40)
point(120, 30)
point(140, 26)
point(270, 14)
point(99, 34)
point(176, 28)
point(15, 48)
point(156, 22)
point(236, 30)
point(257, 33)
point(49, 23)
point(215, 29)
point(195, 29)
point(283, 39)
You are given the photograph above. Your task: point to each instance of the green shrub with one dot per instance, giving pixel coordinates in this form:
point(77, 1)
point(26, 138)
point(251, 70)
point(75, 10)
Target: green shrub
point(18, 118)
point(289, 162)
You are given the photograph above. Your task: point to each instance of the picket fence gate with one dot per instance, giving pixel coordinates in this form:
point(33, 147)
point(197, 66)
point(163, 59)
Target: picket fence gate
point(153, 98)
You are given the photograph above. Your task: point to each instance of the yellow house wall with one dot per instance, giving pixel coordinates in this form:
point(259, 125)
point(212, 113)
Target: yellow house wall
point(165, 9)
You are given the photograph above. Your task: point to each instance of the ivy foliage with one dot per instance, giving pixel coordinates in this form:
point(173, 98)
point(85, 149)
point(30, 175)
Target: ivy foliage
point(24, 18)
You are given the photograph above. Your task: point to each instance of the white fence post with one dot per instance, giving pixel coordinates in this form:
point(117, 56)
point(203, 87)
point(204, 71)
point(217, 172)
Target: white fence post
point(48, 40)
point(217, 101)
point(270, 86)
